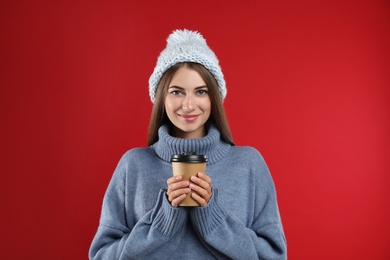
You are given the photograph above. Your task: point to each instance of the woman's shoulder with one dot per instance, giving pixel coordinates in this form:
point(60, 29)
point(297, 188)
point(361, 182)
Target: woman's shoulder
point(138, 151)
point(138, 154)
point(250, 158)
point(246, 151)
point(248, 154)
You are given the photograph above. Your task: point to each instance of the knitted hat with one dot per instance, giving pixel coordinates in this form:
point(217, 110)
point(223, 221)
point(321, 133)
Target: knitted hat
point(186, 46)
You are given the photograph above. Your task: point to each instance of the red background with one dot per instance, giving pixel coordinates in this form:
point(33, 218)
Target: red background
point(308, 86)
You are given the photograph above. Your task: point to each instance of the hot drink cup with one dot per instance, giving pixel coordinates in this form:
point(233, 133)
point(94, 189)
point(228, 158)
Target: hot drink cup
point(187, 165)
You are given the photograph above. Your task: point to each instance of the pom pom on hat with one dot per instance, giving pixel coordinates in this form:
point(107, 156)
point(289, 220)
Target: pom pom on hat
point(186, 46)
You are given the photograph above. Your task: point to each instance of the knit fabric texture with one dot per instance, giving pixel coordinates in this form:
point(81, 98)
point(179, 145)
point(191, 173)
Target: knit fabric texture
point(241, 221)
point(186, 46)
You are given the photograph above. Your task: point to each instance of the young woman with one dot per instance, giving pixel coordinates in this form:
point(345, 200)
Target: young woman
point(238, 216)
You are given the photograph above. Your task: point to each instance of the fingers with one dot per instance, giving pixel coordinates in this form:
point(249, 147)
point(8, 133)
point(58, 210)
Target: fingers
point(203, 178)
point(177, 190)
point(176, 201)
point(201, 187)
point(202, 182)
point(202, 202)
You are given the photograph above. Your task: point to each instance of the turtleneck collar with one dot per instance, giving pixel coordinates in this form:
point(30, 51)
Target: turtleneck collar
point(211, 145)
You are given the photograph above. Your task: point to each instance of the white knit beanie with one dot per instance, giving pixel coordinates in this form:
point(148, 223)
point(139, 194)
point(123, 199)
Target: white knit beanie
point(186, 46)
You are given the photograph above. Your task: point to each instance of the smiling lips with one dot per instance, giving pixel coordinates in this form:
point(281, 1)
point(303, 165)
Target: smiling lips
point(189, 118)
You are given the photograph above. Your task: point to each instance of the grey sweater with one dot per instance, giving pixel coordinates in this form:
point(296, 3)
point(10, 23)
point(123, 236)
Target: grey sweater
point(241, 221)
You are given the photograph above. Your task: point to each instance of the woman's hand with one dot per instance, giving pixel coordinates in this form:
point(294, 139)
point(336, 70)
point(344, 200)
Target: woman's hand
point(201, 187)
point(177, 190)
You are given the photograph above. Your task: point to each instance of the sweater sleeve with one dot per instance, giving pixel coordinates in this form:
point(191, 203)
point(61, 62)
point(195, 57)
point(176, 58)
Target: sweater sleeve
point(147, 239)
point(228, 237)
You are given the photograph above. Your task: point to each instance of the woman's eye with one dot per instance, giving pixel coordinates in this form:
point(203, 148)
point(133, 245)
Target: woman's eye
point(175, 92)
point(202, 92)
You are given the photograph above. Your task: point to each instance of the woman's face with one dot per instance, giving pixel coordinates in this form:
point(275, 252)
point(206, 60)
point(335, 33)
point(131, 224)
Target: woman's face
point(187, 104)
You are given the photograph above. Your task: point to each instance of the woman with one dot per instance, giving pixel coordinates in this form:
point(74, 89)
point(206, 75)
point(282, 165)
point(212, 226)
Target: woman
point(238, 216)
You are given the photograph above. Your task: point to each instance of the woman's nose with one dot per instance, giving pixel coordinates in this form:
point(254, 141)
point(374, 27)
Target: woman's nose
point(188, 103)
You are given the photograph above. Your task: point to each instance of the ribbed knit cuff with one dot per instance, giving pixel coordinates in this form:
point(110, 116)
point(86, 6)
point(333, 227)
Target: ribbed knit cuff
point(169, 219)
point(208, 218)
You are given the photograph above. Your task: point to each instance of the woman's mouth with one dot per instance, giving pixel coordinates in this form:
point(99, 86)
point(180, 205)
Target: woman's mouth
point(189, 118)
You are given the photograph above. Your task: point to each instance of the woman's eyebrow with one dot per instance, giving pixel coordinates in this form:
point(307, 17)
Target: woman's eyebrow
point(174, 86)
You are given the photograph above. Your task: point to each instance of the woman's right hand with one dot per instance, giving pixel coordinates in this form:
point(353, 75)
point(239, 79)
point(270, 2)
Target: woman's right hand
point(177, 190)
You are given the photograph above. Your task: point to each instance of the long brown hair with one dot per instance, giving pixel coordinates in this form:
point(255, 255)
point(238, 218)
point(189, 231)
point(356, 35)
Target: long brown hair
point(218, 115)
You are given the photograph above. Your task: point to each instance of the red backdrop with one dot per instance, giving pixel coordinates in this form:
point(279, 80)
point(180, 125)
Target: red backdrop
point(308, 86)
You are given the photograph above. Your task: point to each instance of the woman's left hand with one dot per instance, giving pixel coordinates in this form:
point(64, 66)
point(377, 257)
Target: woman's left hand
point(201, 187)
